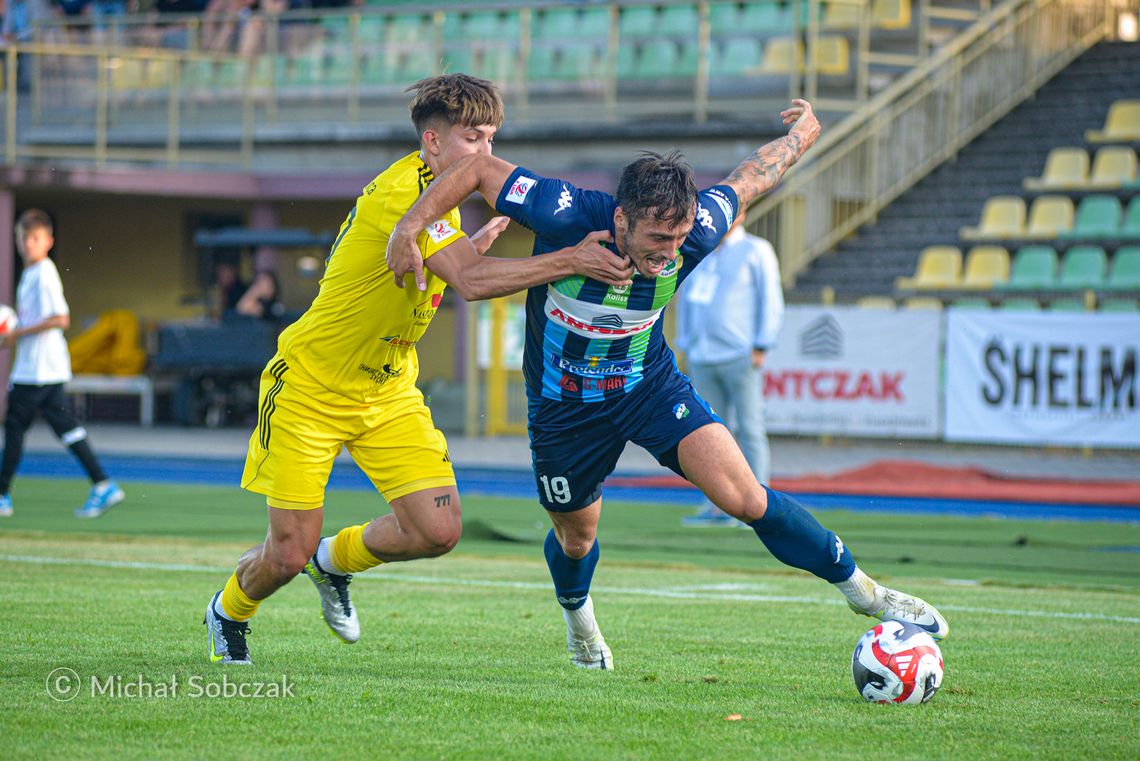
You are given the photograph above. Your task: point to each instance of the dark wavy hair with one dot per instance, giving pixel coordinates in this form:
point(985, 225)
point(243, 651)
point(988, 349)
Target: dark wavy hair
point(663, 186)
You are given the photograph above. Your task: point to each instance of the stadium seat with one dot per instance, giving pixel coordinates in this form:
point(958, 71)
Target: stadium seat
point(1033, 267)
point(679, 21)
point(1125, 272)
point(986, 267)
point(1113, 167)
point(638, 21)
point(885, 14)
point(764, 19)
point(557, 24)
point(724, 16)
point(735, 57)
point(1049, 216)
point(594, 24)
point(875, 302)
point(1131, 227)
point(1122, 124)
point(1119, 305)
point(1083, 267)
point(833, 55)
point(1065, 169)
point(938, 267)
point(927, 303)
point(972, 303)
point(782, 55)
point(1002, 217)
point(1019, 304)
point(1097, 217)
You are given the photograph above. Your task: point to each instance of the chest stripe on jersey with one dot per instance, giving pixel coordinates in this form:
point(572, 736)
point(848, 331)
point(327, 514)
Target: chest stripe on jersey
point(339, 238)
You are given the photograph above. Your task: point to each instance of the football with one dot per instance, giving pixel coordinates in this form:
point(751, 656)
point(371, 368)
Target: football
point(897, 663)
point(7, 319)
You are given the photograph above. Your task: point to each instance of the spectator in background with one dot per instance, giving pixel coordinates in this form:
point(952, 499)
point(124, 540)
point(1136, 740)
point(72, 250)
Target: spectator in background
point(731, 311)
point(19, 26)
point(42, 367)
point(235, 297)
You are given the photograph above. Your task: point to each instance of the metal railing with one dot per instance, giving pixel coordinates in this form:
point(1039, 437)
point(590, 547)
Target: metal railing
point(921, 121)
point(207, 89)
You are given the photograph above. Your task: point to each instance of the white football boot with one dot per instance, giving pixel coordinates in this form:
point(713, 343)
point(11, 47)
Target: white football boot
point(227, 638)
point(892, 605)
point(588, 649)
point(339, 613)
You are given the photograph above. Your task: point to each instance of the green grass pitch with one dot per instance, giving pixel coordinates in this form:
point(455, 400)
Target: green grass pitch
point(463, 657)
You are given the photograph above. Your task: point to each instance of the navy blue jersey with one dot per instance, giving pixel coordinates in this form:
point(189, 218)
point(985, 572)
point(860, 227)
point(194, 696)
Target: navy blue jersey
point(587, 341)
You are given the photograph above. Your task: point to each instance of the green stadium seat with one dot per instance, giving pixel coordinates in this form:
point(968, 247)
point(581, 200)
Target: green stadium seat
point(938, 267)
point(1097, 217)
point(1065, 169)
point(679, 21)
point(1113, 167)
point(735, 57)
point(1002, 217)
point(1033, 267)
point(764, 19)
point(483, 26)
point(558, 24)
point(594, 25)
point(986, 267)
point(1122, 124)
point(579, 62)
point(1019, 304)
point(1119, 305)
point(371, 30)
point(1083, 267)
point(1068, 304)
point(638, 21)
point(1131, 227)
point(1049, 216)
point(1125, 272)
point(724, 17)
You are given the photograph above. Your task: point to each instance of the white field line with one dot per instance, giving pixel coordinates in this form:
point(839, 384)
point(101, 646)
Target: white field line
point(678, 593)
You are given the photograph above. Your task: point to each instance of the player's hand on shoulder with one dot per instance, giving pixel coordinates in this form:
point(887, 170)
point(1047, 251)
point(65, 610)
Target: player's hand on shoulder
point(804, 123)
point(597, 262)
point(488, 233)
point(404, 256)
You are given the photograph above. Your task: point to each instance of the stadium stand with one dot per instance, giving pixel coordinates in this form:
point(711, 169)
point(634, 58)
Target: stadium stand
point(1049, 216)
point(938, 267)
point(1033, 267)
point(1083, 267)
point(1113, 167)
point(923, 302)
point(1065, 169)
point(1098, 216)
point(1002, 217)
point(986, 268)
point(1125, 273)
point(1119, 305)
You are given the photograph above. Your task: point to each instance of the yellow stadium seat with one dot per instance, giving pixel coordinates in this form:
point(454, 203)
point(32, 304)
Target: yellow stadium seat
point(1065, 169)
point(1002, 217)
point(1050, 215)
point(1113, 167)
point(875, 302)
point(986, 266)
point(833, 55)
point(938, 267)
point(885, 14)
point(784, 55)
point(1121, 125)
point(923, 302)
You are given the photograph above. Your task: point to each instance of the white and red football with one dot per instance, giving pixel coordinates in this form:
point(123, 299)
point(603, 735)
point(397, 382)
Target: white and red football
point(897, 663)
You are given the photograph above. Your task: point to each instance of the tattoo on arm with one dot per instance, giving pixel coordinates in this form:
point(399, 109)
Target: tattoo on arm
point(443, 500)
point(760, 172)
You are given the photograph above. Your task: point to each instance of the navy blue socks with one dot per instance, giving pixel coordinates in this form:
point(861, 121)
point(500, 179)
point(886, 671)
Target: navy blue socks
point(797, 539)
point(571, 577)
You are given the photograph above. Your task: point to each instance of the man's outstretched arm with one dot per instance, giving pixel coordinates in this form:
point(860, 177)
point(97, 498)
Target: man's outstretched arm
point(761, 171)
point(479, 173)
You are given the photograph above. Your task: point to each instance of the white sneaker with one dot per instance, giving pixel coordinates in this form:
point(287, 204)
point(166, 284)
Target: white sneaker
point(892, 605)
point(340, 615)
point(588, 651)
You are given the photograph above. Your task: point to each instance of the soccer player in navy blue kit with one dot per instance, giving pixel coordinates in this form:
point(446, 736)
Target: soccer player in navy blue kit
point(599, 373)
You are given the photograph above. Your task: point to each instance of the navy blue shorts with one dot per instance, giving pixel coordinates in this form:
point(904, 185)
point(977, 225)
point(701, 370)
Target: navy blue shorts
point(575, 446)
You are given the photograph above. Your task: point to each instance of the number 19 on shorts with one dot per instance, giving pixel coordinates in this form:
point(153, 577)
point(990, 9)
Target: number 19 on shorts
point(557, 489)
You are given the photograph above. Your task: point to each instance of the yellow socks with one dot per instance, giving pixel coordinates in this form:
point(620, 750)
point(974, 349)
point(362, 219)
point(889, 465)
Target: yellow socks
point(236, 604)
point(349, 553)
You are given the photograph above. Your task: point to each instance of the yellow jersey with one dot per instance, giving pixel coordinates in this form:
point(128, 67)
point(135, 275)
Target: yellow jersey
point(358, 339)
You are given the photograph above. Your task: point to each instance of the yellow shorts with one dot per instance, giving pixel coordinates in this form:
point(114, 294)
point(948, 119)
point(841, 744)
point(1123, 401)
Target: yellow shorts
point(301, 427)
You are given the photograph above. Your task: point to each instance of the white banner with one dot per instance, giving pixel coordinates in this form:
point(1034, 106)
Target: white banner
point(1042, 378)
point(856, 372)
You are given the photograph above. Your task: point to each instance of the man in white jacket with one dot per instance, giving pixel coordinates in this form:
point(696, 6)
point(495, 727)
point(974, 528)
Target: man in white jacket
point(732, 309)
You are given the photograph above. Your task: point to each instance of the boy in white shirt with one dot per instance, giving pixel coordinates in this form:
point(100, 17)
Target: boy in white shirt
point(42, 367)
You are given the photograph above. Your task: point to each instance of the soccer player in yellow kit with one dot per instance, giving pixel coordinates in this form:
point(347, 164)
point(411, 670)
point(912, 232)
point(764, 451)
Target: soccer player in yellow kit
point(345, 374)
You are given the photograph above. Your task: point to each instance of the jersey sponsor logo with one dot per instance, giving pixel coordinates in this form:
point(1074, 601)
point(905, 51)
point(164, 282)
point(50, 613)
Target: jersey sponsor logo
point(434, 300)
point(398, 341)
point(565, 200)
point(519, 191)
point(440, 230)
point(381, 375)
point(425, 310)
point(704, 219)
point(604, 384)
point(670, 269)
point(607, 321)
point(593, 366)
point(680, 411)
point(601, 330)
point(569, 383)
point(370, 189)
point(725, 205)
